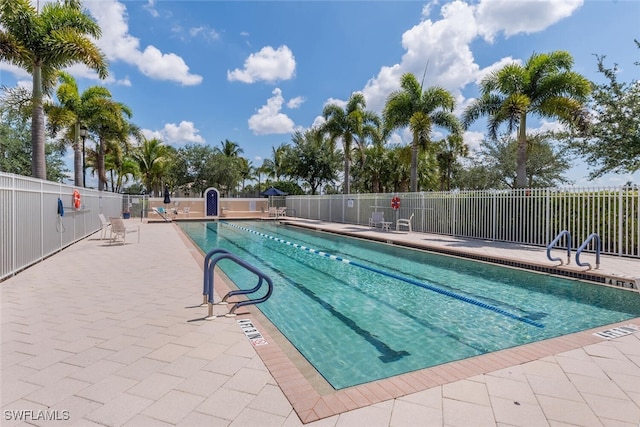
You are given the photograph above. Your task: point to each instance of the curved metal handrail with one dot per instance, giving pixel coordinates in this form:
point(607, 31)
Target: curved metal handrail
point(583, 247)
point(215, 256)
point(555, 241)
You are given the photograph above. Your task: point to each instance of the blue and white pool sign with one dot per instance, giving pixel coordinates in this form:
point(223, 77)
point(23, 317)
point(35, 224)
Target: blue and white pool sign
point(252, 333)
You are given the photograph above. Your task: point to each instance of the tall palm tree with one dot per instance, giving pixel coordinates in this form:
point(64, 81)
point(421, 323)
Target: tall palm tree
point(42, 43)
point(273, 167)
point(420, 110)
point(108, 121)
point(351, 124)
point(71, 114)
point(247, 171)
point(230, 148)
point(544, 85)
point(152, 157)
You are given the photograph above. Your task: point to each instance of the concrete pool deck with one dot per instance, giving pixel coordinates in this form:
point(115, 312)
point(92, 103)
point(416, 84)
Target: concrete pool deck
point(101, 335)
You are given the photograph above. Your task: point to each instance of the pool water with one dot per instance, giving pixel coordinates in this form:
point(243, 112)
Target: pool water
point(374, 311)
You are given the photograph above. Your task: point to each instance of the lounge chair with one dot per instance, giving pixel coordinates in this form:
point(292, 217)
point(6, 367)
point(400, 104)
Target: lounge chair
point(119, 229)
point(281, 212)
point(377, 219)
point(163, 213)
point(105, 225)
point(273, 211)
point(404, 223)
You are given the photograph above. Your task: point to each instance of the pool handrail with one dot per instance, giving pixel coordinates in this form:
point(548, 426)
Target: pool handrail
point(209, 278)
point(583, 246)
point(555, 241)
point(210, 263)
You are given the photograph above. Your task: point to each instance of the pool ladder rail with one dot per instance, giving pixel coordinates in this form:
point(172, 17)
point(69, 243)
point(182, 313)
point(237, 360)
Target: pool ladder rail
point(210, 261)
point(583, 246)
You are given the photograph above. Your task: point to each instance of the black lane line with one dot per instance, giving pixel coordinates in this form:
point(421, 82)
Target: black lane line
point(527, 314)
point(411, 316)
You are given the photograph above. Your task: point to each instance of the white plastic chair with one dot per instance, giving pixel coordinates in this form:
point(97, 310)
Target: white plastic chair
point(105, 225)
point(377, 218)
point(404, 223)
point(119, 229)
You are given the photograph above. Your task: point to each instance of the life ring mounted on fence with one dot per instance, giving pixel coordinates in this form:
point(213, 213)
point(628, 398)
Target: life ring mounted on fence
point(77, 203)
point(395, 203)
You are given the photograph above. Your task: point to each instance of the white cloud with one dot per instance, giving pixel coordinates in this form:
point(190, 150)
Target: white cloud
point(318, 121)
point(268, 64)
point(296, 102)
point(19, 73)
point(269, 119)
point(339, 102)
point(204, 32)
point(473, 140)
point(515, 17)
point(119, 45)
point(442, 46)
point(151, 7)
point(173, 134)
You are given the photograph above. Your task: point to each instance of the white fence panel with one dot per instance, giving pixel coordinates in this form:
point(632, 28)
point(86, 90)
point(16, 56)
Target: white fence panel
point(528, 216)
point(30, 228)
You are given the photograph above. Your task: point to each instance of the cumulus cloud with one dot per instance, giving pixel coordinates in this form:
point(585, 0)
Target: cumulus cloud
point(494, 16)
point(119, 45)
point(173, 134)
point(269, 120)
point(295, 102)
point(268, 65)
point(442, 46)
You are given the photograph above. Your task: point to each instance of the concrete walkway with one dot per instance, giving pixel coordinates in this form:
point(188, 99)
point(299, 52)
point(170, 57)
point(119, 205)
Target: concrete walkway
point(100, 335)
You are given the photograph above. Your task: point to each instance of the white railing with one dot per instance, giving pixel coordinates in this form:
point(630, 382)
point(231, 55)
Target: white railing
point(30, 227)
point(528, 216)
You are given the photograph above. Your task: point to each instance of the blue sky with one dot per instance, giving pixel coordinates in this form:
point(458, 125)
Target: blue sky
point(254, 72)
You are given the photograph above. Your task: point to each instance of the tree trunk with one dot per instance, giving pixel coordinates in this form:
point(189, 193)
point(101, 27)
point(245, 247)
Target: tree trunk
point(77, 157)
point(102, 174)
point(38, 159)
point(414, 164)
point(346, 189)
point(521, 156)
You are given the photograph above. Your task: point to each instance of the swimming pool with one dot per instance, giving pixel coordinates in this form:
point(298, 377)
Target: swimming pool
point(373, 311)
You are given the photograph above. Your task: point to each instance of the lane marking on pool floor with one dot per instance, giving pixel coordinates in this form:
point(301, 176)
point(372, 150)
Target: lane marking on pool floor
point(393, 276)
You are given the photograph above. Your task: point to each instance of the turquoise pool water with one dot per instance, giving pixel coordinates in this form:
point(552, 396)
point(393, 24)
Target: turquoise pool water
point(391, 310)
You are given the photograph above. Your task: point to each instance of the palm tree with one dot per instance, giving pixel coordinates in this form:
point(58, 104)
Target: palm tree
point(71, 113)
point(42, 43)
point(247, 171)
point(152, 157)
point(544, 85)
point(450, 148)
point(230, 148)
point(273, 167)
point(351, 124)
point(419, 110)
point(108, 121)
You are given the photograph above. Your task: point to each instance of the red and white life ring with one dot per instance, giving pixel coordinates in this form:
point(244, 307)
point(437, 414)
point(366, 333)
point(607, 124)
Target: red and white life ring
point(76, 199)
point(395, 203)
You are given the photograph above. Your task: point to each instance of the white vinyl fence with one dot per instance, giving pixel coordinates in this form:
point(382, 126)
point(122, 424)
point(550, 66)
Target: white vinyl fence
point(528, 216)
point(30, 227)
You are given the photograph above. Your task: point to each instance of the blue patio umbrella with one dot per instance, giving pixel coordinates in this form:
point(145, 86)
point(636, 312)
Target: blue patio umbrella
point(273, 192)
